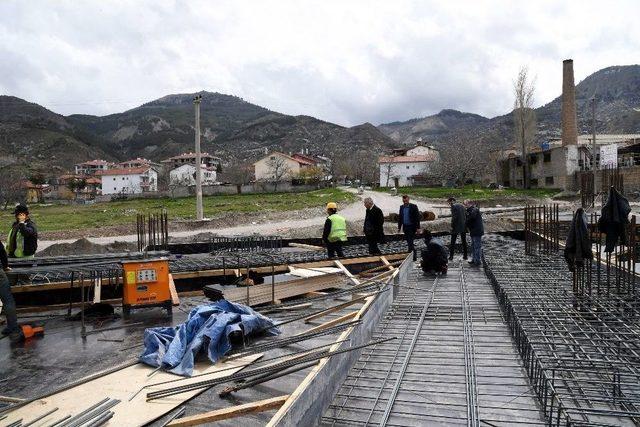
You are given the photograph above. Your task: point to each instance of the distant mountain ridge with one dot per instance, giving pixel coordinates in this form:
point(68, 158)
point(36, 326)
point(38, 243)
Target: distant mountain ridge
point(231, 128)
point(617, 90)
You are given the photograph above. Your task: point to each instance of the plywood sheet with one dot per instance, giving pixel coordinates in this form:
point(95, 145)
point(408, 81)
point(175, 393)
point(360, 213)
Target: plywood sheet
point(122, 385)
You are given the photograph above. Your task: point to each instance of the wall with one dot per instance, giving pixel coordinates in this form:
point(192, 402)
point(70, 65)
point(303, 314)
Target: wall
point(403, 171)
point(560, 168)
point(184, 175)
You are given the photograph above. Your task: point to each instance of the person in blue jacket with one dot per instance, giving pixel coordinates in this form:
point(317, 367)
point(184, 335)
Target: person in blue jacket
point(409, 222)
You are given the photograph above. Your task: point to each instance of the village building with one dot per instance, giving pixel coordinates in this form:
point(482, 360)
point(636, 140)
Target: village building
point(139, 162)
point(406, 167)
point(190, 158)
point(185, 175)
point(91, 167)
point(129, 180)
point(283, 167)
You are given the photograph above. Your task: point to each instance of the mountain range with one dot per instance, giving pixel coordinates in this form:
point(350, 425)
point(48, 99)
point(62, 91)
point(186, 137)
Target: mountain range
point(41, 140)
point(617, 91)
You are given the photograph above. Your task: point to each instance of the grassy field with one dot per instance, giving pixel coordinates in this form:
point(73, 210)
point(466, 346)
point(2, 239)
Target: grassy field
point(474, 193)
point(81, 217)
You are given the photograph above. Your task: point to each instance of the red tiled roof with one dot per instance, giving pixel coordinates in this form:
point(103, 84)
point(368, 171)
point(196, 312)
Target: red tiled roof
point(124, 171)
point(406, 159)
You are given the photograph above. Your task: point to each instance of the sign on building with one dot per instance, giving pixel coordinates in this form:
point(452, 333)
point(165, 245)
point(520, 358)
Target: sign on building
point(609, 156)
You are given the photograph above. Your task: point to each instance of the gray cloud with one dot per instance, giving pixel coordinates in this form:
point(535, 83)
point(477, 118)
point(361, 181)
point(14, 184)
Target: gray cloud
point(346, 62)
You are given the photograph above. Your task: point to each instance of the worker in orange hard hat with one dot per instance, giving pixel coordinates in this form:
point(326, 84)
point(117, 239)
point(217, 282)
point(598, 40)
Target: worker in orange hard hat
point(335, 231)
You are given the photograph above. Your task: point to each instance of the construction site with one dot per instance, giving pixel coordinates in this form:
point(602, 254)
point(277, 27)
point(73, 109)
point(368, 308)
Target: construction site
point(264, 329)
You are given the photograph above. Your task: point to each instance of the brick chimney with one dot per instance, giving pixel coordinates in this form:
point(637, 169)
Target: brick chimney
point(569, 120)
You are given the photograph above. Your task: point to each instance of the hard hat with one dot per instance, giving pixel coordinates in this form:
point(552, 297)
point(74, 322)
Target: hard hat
point(332, 205)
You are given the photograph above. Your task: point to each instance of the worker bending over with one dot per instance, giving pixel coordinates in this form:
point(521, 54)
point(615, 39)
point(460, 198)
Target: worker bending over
point(335, 231)
point(434, 255)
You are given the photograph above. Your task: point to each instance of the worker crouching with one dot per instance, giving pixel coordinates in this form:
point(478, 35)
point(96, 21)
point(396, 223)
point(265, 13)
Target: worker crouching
point(335, 231)
point(434, 255)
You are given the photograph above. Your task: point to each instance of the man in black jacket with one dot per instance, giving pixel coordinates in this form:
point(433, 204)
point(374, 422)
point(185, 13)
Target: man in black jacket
point(458, 227)
point(434, 255)
point(373, 226)
point(8, 303)
point(476, 231)
point(409, 222)
point(23, 236)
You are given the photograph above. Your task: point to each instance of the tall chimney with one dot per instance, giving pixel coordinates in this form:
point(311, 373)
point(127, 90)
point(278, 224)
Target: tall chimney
point(569, 120)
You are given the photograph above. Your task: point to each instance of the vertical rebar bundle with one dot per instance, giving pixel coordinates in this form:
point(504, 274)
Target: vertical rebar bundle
point(153, 230)
point(541, 229)
point(587, 189)
point(245, 243)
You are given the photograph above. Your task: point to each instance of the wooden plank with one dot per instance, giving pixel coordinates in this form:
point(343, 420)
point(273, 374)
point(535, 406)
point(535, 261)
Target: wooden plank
point(97, 290)
point(387, 263)
point(331, 323)
point(232, 412)
point(10, 399)
point(305, 246)
point(314, 294)
point(175, 299)
point(123, 385)
point(347, 272)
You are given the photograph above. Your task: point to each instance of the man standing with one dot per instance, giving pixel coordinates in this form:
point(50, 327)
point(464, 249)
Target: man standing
point(458, 227)
point(409, 222)
point(335, 231)
point(373, 226)
point(476, 230)
point(8, 303)
point(23, 236)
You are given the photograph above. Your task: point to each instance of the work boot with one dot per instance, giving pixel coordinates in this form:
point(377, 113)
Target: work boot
point(8, 331)
point(16, 336)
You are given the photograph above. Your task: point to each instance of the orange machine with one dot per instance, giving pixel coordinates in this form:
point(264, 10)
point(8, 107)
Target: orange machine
point(146, 284)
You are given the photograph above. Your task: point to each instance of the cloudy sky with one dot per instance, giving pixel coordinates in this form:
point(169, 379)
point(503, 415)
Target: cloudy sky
point(343, 61)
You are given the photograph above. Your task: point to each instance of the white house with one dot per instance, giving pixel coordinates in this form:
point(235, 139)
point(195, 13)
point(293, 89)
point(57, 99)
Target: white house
point(129, 180)
point(403, 171)
point(282, 167)
point(185, 175)
point(92, 167)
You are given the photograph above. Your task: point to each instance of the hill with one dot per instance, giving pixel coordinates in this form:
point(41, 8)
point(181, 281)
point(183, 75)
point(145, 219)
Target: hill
point(617, 90)
point(231, 128)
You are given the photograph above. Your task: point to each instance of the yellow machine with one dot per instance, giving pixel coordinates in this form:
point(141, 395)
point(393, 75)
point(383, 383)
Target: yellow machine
point(146, 284)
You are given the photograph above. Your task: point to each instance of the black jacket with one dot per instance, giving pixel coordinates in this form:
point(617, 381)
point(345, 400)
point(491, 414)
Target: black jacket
point(458, 219)
point(374, 224)
point(414, 216)
point(578, 247)
point(3, 257)
point(614, 220)
point(474, 221)
point(29, 234)
point(434, 256)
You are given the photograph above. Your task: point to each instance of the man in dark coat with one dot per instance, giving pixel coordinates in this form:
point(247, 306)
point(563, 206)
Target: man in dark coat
point(458, 227)
point(8, 303)
point(23, 236)
point(614, 219)
point(373, 226)
point(476, 231)
point(434, 255)
point(409, 222)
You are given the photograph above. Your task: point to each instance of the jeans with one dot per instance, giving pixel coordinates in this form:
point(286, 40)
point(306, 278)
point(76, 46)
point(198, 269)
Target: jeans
point(334, 248)
point(463, 238)
point(8, 303)
point(476, 249)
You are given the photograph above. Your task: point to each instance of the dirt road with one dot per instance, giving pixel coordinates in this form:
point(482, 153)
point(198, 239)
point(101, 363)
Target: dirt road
point(354, 213)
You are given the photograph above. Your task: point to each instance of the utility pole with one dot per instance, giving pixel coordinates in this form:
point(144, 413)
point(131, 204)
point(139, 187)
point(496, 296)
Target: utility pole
point(199, 213)
point(593, 130)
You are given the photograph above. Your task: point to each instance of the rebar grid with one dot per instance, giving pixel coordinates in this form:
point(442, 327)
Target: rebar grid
point(541, 229)
point(581, 351)
point(62, 271)
point(462, 369)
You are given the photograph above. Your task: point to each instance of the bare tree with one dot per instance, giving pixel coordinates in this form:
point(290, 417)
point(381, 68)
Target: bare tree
point(462, 160)
point(524, 118)
point(11, 188)
point(238, 173)
point(278, 170)
point(389, 170)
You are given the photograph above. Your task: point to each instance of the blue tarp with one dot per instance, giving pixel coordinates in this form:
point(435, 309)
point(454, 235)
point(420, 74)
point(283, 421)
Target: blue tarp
point(207, 329)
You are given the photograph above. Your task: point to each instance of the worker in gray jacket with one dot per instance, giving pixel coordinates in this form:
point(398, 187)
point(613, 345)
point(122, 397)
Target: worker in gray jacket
point(458, 227)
